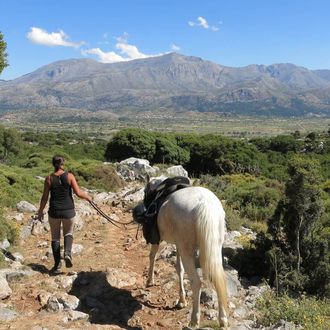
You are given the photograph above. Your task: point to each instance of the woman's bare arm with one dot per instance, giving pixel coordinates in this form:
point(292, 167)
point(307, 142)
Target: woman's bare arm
point(76, 189)
point(44, 198)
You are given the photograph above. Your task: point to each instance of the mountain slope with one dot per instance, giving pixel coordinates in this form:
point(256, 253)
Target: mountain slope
point(173, 82)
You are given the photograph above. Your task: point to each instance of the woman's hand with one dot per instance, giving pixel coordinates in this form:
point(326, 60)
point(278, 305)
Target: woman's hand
point(40, 215)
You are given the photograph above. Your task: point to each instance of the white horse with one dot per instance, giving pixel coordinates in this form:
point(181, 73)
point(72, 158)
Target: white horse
point(193, 219)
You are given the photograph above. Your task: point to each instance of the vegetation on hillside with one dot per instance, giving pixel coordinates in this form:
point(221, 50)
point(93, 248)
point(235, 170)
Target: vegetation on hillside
point(278, 186)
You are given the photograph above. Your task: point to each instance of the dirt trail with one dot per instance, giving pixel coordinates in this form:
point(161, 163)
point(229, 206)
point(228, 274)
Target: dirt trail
point(105, 247)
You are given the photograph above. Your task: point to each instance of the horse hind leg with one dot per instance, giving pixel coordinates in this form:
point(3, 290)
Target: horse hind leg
point(152, 257)
point(180, 271)
point(188, 260)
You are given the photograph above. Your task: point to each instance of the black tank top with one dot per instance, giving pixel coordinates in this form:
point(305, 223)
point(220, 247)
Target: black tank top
point(61, 203)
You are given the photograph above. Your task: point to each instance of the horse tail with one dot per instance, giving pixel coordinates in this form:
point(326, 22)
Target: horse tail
point(210, 230)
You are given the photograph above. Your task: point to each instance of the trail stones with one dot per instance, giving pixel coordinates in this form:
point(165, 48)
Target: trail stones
point(26, 207)
point(177, 170)
point(7, 313)
point(5, 290)
point(119, 278)
point(61, 301)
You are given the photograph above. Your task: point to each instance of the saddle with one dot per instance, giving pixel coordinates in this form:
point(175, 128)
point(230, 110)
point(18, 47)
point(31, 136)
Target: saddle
point(146, 213)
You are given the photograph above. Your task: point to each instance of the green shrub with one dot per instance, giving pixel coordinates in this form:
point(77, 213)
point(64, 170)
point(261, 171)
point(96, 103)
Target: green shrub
point(95, 175)
point(254, 198)
point(308, 312)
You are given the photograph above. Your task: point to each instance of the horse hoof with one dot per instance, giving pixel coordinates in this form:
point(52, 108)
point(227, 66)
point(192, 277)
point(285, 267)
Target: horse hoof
point(180, 305)
point(224, 323)
point(149, 284)
point(193, 325)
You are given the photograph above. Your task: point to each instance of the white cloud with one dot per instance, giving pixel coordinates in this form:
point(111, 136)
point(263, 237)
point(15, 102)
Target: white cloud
point(127, 52)
point(42, 37)
point(175, 47)
point(123, 38)
point(130, 51)
point(104, 57)
point(202, 22)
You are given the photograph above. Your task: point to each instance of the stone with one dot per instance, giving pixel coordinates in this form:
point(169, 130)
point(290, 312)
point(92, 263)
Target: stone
point(4, 244)
point(7, 314)
point(177, 170)
point(119, 278)
point(43, 297)
point(53, 305)
point(211, 314)
point(77, 248)
point(209, 298)
point(104, 197)
point(65, 282)
point(19, 217)
point(76, 316)
point(5, 290)
point(68, 301)
point(233, 283)
point(18, 257)
point(26, 207)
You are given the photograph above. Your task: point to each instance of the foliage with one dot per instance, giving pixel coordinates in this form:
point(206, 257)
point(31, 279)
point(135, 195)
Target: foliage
point(98, 176)
point(308, 312)
point(254, 198)
point(156, 147)
point(10, 143)
point(8, 229)
point(3, 54)
point(251, 260)
point(131, 143)
point(297, 247)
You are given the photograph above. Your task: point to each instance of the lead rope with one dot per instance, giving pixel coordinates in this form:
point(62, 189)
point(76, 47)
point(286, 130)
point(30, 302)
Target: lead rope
point(112, 221)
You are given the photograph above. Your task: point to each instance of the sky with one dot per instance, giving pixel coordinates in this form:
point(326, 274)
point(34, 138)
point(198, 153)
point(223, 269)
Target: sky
point(233, 33)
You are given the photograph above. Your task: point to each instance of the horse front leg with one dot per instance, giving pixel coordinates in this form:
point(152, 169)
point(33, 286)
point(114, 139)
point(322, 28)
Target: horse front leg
point(152, 257)
point(180, 270)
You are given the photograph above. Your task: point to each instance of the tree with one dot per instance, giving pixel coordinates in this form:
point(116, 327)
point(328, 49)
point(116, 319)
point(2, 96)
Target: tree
point(10, 143)
point(294, 220)
point(3, 54)
point(131, 142)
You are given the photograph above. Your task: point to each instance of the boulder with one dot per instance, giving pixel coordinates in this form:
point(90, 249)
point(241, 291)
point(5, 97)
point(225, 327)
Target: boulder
point(132, 168)
point(4, 244)
point(27, 207)
point(177, 170)
point(5, 290)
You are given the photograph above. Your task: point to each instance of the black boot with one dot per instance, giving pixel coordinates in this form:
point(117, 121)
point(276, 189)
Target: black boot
point(68, 239)
point(56, 248)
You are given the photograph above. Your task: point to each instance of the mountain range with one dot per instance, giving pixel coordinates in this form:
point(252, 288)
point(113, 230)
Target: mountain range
point(171, 82)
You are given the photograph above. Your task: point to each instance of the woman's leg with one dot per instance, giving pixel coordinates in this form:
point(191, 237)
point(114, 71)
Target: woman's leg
point(55, 229)
point(68, 240)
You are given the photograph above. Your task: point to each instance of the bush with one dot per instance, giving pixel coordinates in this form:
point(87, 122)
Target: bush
point(255, 198)
point(308, 312)
point(97, 176)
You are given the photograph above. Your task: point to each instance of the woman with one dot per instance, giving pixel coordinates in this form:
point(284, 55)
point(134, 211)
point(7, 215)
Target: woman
point(61, 210)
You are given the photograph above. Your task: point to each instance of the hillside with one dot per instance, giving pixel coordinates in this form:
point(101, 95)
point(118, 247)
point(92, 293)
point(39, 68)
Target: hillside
point(170, 82)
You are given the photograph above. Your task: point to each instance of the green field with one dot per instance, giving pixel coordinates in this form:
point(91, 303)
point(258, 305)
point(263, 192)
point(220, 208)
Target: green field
point(189, 122)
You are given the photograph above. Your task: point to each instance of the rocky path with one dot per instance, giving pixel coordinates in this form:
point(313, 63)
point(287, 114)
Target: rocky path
point(105, 289)
point(107, 283)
